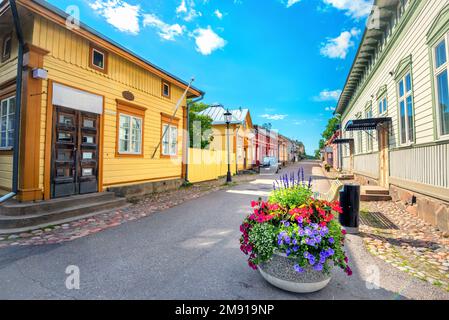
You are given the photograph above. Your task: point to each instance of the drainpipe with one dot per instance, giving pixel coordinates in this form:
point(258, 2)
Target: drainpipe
point(15, 165)
point(186, 179)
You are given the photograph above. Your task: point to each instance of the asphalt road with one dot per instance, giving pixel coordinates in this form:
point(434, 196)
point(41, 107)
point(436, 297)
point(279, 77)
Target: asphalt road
point(187, 252)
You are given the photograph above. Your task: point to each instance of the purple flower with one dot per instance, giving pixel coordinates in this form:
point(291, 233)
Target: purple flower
point(331, 240)
point(295, 248)
point(330, 252)
point(318, 239)
point(306, 255)
point(323, 259)
point(295, 242)
point(287, 224)
point(311, 260)
point(301, 232)
point(280, 242)
point(298, 268)
point(308, 232)
point(287, 239)
point(310, 242)
point(287, 252)
point(318, 267)
point(314, 226)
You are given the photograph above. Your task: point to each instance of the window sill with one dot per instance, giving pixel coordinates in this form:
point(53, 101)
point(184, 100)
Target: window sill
point(128, 155)
point(164, 156)
point(6, 151)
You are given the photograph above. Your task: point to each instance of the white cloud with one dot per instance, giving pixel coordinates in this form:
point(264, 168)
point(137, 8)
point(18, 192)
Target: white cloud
point(337, 48)
point(187, 10)
point(182, 7)
point(291, 2)
point(120, 14)
point(165, 30)
point(274, 117)
point(354, 8)
point(330, 109)
point(218, 14)
point(328, 95)
point(207, 41)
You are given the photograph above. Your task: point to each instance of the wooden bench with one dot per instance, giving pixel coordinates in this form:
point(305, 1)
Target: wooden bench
point(333, 192)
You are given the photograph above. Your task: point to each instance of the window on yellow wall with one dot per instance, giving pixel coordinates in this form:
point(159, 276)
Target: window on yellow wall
point(169, 133)
point(98, 59)
point(130, 124)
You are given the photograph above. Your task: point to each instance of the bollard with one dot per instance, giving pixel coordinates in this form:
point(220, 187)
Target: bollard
point(350, 203)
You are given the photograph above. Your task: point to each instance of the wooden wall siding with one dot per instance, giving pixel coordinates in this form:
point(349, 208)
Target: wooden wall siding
point(346, 165)
point(412, 41)
point(6, 172)
point(427, 165)
point(67, 64)
point(367, 164)
point(205, 165)
point(74, 50)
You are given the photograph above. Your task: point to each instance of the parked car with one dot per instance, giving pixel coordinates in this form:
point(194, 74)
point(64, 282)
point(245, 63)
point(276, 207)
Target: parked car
point(270, 165)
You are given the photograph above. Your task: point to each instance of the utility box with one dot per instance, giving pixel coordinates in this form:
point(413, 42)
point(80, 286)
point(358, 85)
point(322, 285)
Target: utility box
point(350, 204)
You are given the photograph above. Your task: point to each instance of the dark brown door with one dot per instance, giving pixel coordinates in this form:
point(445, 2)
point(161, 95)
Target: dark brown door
point(74, 152)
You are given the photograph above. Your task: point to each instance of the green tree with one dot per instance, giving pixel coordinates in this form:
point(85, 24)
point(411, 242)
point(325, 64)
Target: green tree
point(200, 127)
point(328, 132)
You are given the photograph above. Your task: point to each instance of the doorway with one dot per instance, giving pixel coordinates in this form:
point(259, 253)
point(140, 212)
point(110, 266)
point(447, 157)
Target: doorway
point(75, 152)
point(384, 169)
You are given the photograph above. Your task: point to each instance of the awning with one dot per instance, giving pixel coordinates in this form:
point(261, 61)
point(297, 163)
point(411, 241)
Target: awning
point(366, 124)
point(343, 141)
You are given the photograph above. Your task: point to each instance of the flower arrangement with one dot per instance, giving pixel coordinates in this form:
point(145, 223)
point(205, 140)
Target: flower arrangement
point(294, 223)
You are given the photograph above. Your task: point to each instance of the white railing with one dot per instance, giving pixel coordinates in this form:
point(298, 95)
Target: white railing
point(367, 164)
point(427, 165)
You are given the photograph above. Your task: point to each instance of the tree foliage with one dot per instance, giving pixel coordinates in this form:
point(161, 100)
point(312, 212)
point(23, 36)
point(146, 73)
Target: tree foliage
point(200, 127)
point(328, 132)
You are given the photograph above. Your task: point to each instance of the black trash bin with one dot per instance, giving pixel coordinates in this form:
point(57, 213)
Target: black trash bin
point(350, 203)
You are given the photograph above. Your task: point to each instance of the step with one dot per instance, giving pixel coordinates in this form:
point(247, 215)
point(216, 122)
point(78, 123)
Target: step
point(375, 190)
point(374, 197)
point(53, 217)
point(15, 208)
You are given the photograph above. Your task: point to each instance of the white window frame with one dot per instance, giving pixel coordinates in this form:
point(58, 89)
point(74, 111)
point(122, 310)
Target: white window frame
point(166, 84)
point(132, 135)
point(6, 55)
point(7, 117)
point(438, 71)
point(383, 99)
point(369, 136)
point(169, 136)
point(93, 59)
point(404, 98)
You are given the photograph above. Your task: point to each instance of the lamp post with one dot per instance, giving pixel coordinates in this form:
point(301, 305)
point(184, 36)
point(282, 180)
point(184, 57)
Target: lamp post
point(228, 118)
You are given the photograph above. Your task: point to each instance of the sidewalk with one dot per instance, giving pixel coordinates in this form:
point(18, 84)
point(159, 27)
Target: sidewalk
point(113, 218)
point(404, 241)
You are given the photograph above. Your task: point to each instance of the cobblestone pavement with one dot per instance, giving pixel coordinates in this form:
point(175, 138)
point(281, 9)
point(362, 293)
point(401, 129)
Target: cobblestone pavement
point(143, 208)
point(406, 242)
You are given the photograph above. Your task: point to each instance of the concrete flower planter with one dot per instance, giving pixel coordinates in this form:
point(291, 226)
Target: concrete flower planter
point(280, 272)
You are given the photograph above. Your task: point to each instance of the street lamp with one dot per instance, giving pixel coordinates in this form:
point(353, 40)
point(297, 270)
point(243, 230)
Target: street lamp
point(228, 118)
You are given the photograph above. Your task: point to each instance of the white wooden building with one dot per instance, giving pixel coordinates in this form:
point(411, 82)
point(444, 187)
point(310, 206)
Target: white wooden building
point(400, 75)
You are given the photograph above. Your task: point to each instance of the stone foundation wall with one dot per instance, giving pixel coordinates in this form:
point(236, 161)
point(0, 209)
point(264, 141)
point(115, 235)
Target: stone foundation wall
point(364, 180)
point(133, 192)
point(431, 210)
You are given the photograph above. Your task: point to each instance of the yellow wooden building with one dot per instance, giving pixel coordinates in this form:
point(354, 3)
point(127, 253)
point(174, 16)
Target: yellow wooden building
point(93, 112)
point(241, 135)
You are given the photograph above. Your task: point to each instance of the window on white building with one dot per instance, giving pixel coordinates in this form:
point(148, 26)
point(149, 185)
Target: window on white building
point(406, 109)
point(442, 86)
point(369, 136)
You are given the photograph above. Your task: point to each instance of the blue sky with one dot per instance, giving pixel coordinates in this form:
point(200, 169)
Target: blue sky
point(285, 60)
